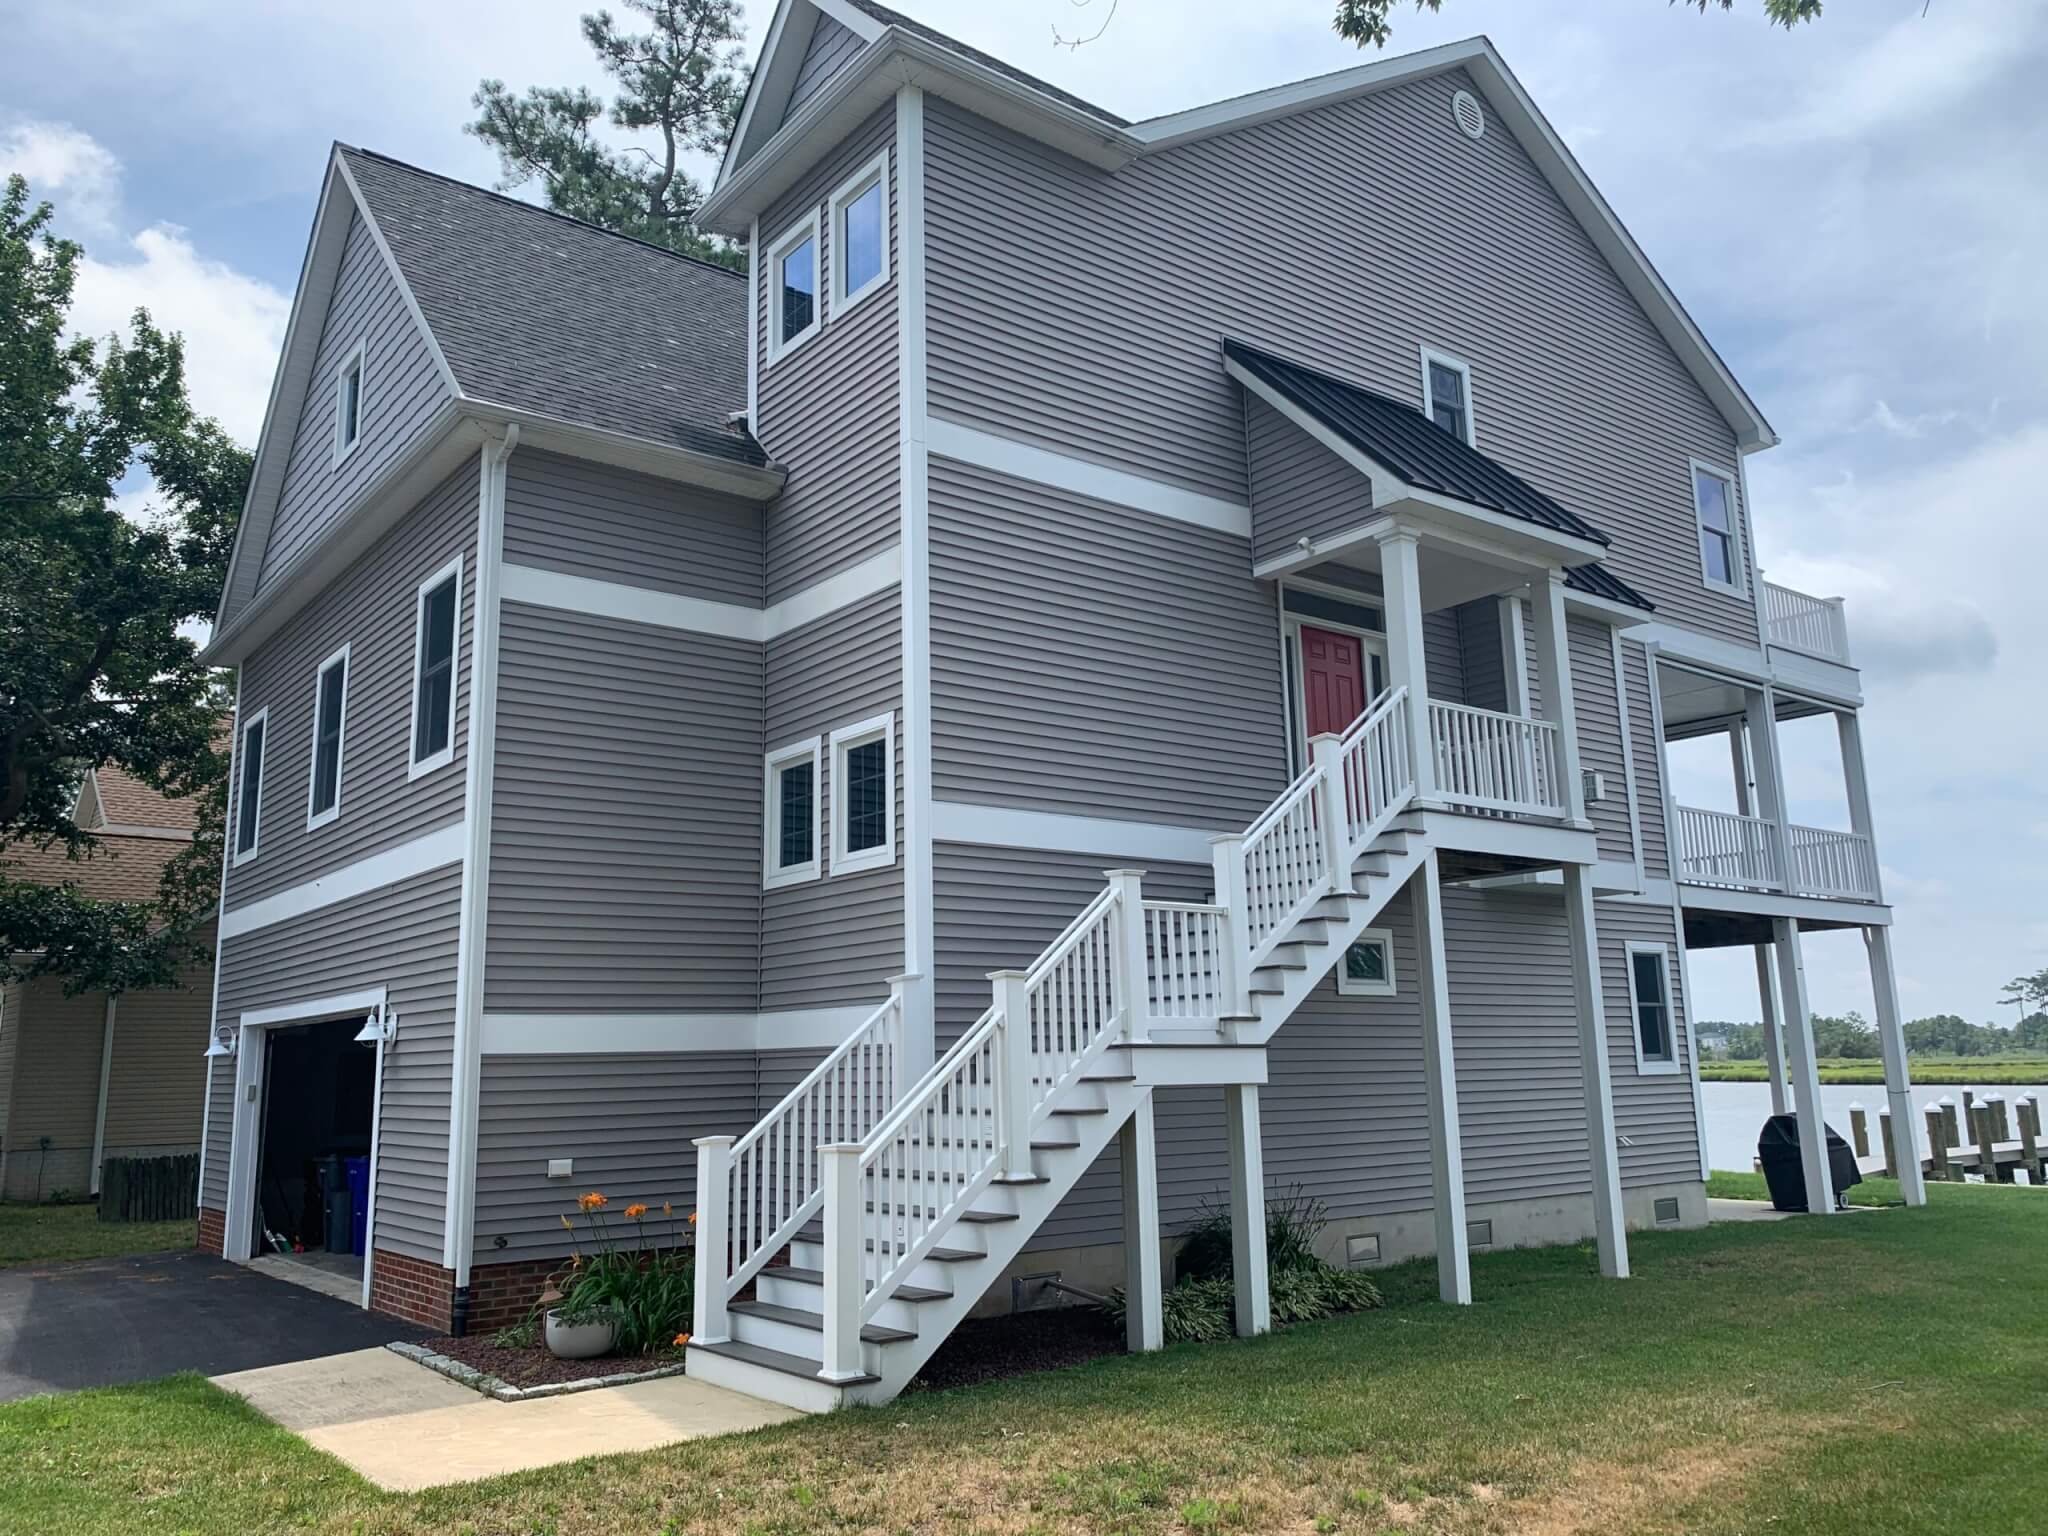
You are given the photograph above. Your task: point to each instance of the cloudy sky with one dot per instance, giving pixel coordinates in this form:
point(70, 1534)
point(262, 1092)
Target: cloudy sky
point(1857, 214)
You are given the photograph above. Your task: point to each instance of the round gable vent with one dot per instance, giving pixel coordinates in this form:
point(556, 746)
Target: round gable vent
point(1466, 113)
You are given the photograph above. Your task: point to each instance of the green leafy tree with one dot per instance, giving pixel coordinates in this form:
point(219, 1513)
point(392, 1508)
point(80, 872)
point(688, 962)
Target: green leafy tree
point(684, 79)
point(93, 669)
point(1365, 21)
point(1847, 1036)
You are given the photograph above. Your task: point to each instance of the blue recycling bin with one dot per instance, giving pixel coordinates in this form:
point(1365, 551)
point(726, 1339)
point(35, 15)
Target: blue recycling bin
point(359, 1201)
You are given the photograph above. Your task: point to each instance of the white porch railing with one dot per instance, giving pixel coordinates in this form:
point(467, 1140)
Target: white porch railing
point(1187, 945)
point(1722, 848)
point(1490, 761)
point(1815, 625)
point(1828, 863)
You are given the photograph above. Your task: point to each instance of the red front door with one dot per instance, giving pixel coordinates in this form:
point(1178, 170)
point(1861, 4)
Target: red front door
point(1332, 680)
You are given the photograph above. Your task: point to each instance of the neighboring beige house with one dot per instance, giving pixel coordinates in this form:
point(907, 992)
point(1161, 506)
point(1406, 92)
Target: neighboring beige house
point(89, 1077)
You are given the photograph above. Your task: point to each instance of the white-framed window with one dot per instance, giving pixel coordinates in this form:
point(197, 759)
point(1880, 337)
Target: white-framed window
point(349, 380)
point(864, 795)
point(1649, 1005)
point(1447, 394)
point(792, 795)
point(1713, 502)
point(795, 296)
point(860, 234)
point(438, 610)
point(330, 721)
point(1367, 968)
point(249, 785)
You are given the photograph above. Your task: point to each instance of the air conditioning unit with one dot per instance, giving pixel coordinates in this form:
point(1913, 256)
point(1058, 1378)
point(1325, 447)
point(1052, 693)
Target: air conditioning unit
point(1595, 784)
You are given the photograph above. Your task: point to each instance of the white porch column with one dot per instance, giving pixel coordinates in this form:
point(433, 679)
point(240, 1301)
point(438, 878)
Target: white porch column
point(1554, 673)
point(1609, 1226)
point(710, 1324)
point(1144, 1325)
point(1760, 713)
point(1247, 1209)
point(1514, 656)
point(1773, 1027)
point(1813, 1147)
point(1856, 787)
point(1440, 1087)
point(1898, 1081)
point(1401, 577)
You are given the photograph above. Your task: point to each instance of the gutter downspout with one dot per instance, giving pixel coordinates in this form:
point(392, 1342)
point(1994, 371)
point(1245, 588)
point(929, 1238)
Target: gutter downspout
point(99, 1122)
point(458, 1238)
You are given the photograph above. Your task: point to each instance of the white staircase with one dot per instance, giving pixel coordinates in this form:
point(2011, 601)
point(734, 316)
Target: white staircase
point(870, 1216)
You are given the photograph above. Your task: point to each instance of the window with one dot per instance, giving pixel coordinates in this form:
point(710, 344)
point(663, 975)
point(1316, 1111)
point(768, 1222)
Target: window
point(1447, 394)
point(864, 795)
point(433, 669)
point(860, 234)
point(330, 706)
point(249, 790)
point(348, 404)
point(789, 852)
point(1649, 998)
point(1713, 498)
point(793, 315)
point(1367, 969)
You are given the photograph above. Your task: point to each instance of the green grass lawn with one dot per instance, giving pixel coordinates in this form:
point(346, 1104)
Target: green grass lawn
point(1722, 1185)
point(1991, 1071)
point(1850, 1375)
point(37, 1234)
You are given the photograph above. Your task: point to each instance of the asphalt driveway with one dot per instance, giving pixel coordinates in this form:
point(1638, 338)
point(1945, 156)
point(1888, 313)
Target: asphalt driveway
point(103, 1321)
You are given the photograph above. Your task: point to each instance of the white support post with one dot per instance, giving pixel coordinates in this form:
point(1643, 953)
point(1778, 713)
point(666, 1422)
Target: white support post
point(708, 1323)
point(1327, 752)
point(1014, 1092)
point(1401, 583)
point(1133, 963)
point(1813, 1143)
point(839, 1176)
point(1856, 785)
point(1144, 1320)
point(1773, 1030)
point(1898, 1081)
point(900, 1075)
point(1226, 855)
point(1247, 1209)
point(1554, 671)
point(1738, 756)
point(99, 1121)
point(1514, 656)
point(1609, 1224)
point(1760, 714)
point(1440, 1087)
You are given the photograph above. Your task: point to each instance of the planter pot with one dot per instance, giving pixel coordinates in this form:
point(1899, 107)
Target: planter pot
point(580, 1341)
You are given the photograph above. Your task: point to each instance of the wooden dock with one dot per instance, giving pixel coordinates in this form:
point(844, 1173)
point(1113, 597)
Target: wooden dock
point(1989, 1138)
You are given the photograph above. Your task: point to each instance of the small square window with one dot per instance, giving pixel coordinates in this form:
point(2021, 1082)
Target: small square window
point(1447, 394)
point(348, 404)
point(1649, 999)
point(792, 276)
point(249, 787)
point(860, 234)
point(1713, 496)
point(791, 792)
point(1367, 969)
point(330, 713)
point(433, 687)
point(864, 795)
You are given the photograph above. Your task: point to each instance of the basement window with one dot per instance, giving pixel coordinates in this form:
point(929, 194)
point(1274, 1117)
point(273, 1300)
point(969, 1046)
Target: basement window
point(792, 791)
point(1649, 1000)
point(1367, 969)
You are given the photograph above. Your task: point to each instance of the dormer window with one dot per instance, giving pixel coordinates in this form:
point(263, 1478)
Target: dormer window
point(1447, 394)
point(860, 234)
point(793, 313)
point(348, 404)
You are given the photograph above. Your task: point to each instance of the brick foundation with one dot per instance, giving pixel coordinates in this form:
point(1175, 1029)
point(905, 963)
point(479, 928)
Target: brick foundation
point(212, 1235)
point(502, 1294)
point(414, 1289)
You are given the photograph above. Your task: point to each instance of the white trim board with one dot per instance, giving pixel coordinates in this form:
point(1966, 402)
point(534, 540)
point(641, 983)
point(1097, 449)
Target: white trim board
point(427, 852)
point(1002, 826)
point(339, 1006)
point(606, 1034)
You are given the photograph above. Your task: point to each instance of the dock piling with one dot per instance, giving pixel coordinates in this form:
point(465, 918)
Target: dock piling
point(1884, 1136)
point(1937, 1141)
point(1987, 1143)
point(1859, 1129)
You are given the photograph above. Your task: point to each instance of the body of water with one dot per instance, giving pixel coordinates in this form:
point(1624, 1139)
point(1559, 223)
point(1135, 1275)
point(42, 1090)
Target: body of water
point(1735, 1113)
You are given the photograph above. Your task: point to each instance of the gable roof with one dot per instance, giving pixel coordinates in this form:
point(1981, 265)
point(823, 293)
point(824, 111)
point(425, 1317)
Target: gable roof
point(111, 797)
point(888, 18)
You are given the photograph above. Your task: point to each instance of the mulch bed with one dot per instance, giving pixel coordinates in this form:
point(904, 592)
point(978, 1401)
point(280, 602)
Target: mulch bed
point(533, 1366)
point(991, 1348)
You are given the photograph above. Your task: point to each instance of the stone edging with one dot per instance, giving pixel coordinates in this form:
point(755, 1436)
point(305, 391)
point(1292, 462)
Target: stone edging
point(492, 1386)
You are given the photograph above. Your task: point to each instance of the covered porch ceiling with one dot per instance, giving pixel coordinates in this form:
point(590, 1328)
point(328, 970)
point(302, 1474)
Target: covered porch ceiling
point(1698, 703)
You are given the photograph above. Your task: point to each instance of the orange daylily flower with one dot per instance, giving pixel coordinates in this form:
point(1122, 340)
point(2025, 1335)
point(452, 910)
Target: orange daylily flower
point(681, 1340)
point(635, 1212)
point(693, 1218)
point(592, 1201)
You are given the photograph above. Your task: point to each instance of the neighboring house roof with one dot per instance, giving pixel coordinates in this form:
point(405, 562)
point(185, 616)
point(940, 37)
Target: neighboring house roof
point(111, 798)
point(889, 18)
point(123, 868)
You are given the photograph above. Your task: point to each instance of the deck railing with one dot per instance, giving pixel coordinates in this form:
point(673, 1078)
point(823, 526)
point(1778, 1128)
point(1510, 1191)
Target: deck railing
point(1490, 761)
point(1722, 848)
point(1815, 625)
point(1829, 863)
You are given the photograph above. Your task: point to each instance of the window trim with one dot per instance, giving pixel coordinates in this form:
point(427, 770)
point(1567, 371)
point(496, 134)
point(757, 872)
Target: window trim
point(809, 227)
point(874, 173)
point(1346, 987)
point(883, 855)
point(317, 819)
point(258, 721)
point(416, 767)
point(1739, 587)
point(357, 359)
point(1463, 369)
point(774, 876)
point(1652, 1066)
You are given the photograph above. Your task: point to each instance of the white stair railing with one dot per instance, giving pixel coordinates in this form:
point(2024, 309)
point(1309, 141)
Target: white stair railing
point(1187, 945)
point(1376, 768)
point(1722, 848)
point(1490, 761)
point(1800, 622)
point(1829, 863)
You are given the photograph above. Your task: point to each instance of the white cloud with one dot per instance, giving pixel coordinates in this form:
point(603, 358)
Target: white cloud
point(68, 169)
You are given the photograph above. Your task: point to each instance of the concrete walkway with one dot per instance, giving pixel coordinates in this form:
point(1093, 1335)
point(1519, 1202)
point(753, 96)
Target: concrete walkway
point(404, 1427)
point(1744, 1210)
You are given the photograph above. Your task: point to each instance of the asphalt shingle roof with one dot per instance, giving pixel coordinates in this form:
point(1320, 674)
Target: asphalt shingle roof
point(545, 313)
point(889, 18)
point(125, 801)
point(121, 868)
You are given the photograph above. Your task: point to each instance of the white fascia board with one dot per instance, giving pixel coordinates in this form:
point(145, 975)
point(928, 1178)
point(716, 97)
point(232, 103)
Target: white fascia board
point(1601, 610)
point(774, 75)
point(622, 450)
point(341, 1005)
point(1708, 652)
point(1823, 911)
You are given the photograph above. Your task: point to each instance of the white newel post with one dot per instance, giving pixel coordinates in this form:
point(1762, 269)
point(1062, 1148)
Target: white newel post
point(1898, 1080)
point(900, 1075)
point(1813, 1136)
point(1554, 667)
point(1013, 1044)
point(839, 1176)
point(1133, 971)
point(1327, 751)
point(1401, 580)
point(1226, 856)
point(714, 1238)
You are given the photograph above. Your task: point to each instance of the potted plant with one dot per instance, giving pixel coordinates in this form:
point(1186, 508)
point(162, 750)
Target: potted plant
point(631, 1296)
point(581, 1332)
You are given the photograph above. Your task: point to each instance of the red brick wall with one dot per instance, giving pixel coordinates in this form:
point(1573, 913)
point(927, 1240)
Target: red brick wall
point(212, 1236)
point(410, 1288)
point(501, 1294)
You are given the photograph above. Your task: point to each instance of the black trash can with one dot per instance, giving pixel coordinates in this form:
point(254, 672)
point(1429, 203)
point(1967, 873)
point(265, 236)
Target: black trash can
point(1778, 1150)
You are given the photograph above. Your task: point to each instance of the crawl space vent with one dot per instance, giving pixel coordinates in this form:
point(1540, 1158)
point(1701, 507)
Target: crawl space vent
point(1466, 113)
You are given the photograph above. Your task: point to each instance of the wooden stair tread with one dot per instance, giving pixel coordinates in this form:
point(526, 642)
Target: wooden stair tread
point(872, 1333)
point(776, 1360)
point(803, 1276)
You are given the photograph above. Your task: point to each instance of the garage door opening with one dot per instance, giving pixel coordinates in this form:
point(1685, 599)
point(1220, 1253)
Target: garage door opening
point(313, 1155)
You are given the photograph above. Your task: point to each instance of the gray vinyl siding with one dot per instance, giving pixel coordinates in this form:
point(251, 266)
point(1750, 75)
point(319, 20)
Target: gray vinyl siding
point(832, 48)
point(606, 524)
point(1443, 656)
point(1642, 725)
point(1299, 489)
point(403, 938)
point(55, 1089)
point(1479, 641)
point(1092, 659)
point(1596, 707)
point(402, 388)
point(835, 940)
point(1655, 1113)
point(373, 608)
point(156, 1088)
point(626, 1120)
point(625, 819)
point(828, 409)
point(1573, 386)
